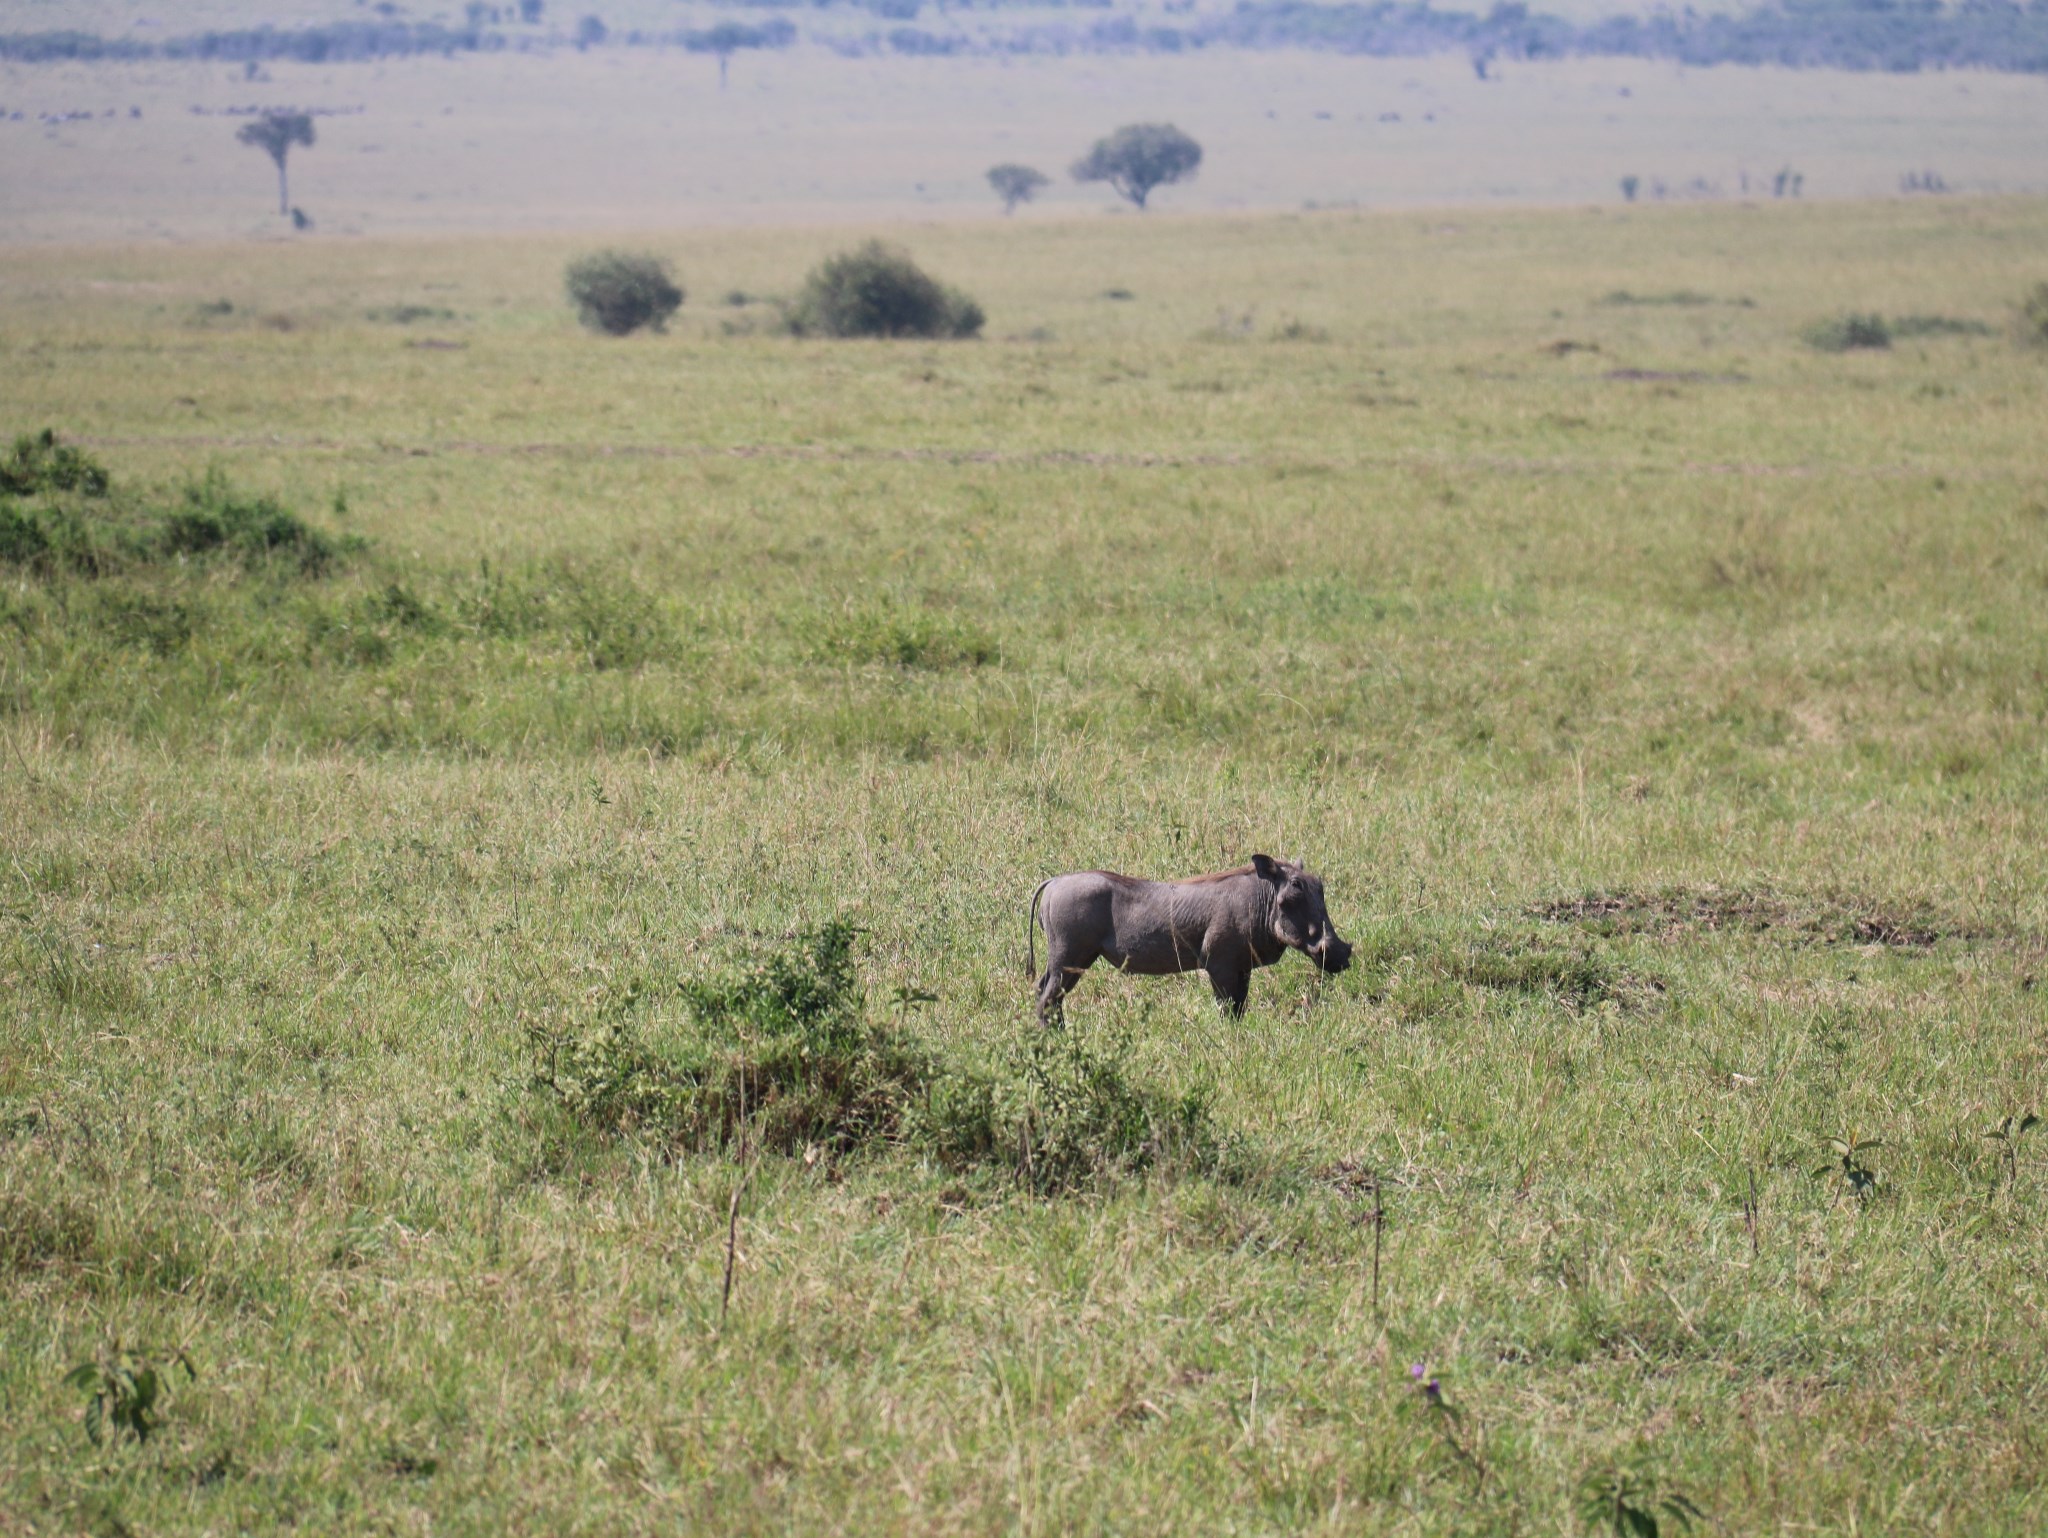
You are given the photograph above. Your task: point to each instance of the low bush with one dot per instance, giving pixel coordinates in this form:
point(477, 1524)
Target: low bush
point(2033, 317)
point(778, 1047)
point(81, 525)
point(1937, 325)
point(878, 291)
point(619, 292)
point(782, 1050)
point(900, 636)
point(1060, 1116)
point(38, 464)
point(1847, 333)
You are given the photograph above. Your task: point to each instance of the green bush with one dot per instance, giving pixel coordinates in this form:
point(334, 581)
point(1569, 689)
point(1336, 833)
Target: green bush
point(781, 1048)
point(1061, 1116)
point(82, 527)
point(618, 292)
point(39, 464)
point(1937, 325)
point(778, 1046)
point(900, 636)
point(1847, 333)
point(878, 290)
point(2033, 322)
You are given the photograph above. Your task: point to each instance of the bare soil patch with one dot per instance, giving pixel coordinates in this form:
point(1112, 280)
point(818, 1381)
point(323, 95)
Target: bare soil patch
point(1826, 920)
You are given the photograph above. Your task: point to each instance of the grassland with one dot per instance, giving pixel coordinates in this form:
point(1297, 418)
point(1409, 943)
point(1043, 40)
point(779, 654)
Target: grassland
point(1663, 700)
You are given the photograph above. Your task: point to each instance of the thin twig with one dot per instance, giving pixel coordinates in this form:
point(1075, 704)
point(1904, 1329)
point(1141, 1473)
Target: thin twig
point(732, 1211)
point(1379, 1220)
point(732, 1240)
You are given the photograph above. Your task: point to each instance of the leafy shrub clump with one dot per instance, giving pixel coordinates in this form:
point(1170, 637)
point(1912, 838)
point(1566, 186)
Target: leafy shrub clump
point(1847, 333)
point(1937, 325)
point(781, 1051)
point(2033, 321)
point(213, 517)
point(778, 1048)
point(619, 292)
point(39, 465)
point(901, 637)
point(878, 290)
point(1060, 1116)
point(82, 526)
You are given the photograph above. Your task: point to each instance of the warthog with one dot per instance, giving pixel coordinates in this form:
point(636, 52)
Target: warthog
point(1227, 924)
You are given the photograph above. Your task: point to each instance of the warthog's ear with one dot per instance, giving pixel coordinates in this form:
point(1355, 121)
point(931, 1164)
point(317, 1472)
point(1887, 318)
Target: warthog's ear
point(1266, 868)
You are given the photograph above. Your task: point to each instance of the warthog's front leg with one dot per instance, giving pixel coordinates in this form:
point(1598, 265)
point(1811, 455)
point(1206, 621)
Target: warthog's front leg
point(1232, 984)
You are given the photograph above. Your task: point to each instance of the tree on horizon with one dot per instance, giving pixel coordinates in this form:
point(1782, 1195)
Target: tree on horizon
point(275, 133)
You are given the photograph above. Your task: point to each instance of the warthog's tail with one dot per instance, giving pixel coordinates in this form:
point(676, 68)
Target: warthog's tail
point(1030, 931)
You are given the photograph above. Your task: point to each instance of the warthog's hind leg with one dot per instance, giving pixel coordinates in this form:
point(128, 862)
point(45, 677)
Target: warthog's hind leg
point(1060, 976)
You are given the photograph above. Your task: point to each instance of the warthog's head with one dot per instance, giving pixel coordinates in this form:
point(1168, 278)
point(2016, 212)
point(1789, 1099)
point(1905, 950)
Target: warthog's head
point(1299, 917)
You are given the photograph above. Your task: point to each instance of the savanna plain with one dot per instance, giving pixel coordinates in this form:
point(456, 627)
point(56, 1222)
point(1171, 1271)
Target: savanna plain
point(512, 981)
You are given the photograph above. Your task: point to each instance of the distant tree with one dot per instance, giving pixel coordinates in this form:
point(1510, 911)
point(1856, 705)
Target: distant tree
point(617, 292)
point(275, 133)
point(728, 37)
point(590, 30)
point(1629, 184)
point(1139, 157)
point(530, 10)
point(1015, 184)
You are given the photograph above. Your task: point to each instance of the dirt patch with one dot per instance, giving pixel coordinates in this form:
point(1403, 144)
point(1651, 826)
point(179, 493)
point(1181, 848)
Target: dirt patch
point(1831, 920)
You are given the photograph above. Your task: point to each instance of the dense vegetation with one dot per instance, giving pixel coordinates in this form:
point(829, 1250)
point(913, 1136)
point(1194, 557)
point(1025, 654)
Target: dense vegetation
point(1898, 35)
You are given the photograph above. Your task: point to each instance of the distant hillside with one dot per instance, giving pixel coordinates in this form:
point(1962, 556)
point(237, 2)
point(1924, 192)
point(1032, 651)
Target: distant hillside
point(1893, 35)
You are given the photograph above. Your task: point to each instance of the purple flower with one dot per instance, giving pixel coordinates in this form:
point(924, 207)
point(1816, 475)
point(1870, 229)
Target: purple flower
point(1417, 1371)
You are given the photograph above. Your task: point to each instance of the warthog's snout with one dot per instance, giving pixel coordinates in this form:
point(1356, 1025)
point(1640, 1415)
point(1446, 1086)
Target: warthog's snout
point(1333, 955)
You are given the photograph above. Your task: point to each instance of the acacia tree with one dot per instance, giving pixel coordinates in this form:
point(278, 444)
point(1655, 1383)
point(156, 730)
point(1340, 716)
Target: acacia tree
point(275, 133)
point(1138, 157)
point(728, 37)
point(1015, 184)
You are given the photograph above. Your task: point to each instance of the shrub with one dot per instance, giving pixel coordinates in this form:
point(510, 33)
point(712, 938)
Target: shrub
point(878, 290)
point(778, 1046)
point(617, 292)
point(901, 636)
point(2033, 322)
point(1060, 1116)
point(1846, 333)
point(39, 464)
point(84, 528)
point(1937, 325)
point(781, 1047)
point(212, 516)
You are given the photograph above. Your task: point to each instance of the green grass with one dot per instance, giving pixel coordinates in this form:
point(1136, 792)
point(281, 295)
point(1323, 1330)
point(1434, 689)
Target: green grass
point(1664, 711)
